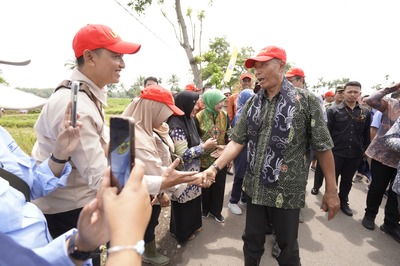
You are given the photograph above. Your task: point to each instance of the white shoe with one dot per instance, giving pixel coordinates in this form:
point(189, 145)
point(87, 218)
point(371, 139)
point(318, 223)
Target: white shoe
point(234, 208)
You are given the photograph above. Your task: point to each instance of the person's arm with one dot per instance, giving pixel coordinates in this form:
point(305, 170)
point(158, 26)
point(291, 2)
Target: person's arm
point(128, 215)
point(375, 100)
point(392, 137)
point(159, 178)
point(330, 200)
point(66, 142)
point(45, 177)
point(232, 149)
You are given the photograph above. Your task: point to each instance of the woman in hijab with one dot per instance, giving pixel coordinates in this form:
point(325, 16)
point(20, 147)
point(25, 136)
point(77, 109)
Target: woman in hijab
point(240, 161)
point(186, 208)
point(150, 110)
point(213, 122)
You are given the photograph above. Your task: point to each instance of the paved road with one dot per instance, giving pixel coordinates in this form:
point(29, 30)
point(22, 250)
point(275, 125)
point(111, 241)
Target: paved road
point(342, 241)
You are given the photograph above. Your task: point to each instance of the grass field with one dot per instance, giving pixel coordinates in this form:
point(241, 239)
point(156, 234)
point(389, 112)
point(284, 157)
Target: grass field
point(20, 126)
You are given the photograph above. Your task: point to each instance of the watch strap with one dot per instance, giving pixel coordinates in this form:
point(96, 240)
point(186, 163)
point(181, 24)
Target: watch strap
point(80, 255)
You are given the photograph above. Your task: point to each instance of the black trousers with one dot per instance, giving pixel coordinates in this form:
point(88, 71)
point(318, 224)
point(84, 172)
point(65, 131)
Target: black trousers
point(345, 168)
point(286, 226)
point(212, 198)
point(59, 223)
point(382, 177)
point(150, 235)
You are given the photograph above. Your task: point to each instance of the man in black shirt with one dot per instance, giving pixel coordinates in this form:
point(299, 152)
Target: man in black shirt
point(348, 124)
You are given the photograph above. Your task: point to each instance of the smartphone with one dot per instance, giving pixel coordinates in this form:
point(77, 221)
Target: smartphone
point(121, 149)
point(74, 100)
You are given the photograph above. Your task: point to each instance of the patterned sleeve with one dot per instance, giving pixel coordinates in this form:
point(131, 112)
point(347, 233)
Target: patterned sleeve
point(178, 136)
point(320, 137)
point(392, 137)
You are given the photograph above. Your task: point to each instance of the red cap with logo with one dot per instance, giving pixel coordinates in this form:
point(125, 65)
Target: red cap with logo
point(295, 71)
point(95, 36)
point(266, 54)
point(161, 95)
point(246, 75)
point(192, 87)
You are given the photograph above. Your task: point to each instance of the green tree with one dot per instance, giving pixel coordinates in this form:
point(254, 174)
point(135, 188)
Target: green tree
point(216, 60)
point(180, 29)
point(173, 82)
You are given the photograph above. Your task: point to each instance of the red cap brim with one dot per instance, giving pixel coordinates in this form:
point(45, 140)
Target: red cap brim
point(124, 47)
point(250, 62)
point(176, 110)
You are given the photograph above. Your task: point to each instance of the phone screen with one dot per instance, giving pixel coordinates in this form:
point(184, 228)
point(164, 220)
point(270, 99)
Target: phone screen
point(121, 149)
point(74, 100)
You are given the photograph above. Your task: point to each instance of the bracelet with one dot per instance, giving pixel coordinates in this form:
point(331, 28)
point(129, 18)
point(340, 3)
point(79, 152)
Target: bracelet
point(216, 167)
point(139, 248)
point(54, 159)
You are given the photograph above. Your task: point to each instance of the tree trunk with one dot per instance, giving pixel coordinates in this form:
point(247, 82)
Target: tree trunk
point(186, 45)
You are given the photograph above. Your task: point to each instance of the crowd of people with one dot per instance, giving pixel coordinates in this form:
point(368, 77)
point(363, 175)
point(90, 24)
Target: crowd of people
point(270, 132)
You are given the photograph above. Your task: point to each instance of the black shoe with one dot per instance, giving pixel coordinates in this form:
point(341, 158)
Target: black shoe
point(314, 191)
point(229, 172)
point(368, 223)
point(345, 209)
point(205, 214)
point(393, 231)
point(219, 218)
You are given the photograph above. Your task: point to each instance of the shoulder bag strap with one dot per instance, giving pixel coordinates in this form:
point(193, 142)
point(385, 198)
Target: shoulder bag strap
point(16, 183)
point(84, 88)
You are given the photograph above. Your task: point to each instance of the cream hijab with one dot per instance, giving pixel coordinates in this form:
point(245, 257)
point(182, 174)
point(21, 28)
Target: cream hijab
point(148, 115)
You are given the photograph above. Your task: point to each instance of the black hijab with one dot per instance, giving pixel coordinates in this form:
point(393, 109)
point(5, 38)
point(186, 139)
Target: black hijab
point(186, 101)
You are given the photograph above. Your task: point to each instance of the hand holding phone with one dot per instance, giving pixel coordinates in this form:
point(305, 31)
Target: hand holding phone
point(74, 100)
point(121, 149)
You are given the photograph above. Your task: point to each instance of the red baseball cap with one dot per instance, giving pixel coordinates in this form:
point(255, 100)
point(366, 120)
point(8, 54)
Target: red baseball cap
point(246, 75)
point(295, 71)
point(192, 87)
point(266, 54)
point(159, 94)
point(95, 36)
point(329, 93)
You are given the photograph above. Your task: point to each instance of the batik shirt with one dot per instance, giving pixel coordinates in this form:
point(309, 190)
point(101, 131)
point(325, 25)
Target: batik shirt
point(308, 130)
point(392, 141)
point(377, 150)
point(212, 127)
point(191, 159)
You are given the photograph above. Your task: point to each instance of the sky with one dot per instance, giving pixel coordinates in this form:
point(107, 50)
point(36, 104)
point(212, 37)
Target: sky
point(352, 39)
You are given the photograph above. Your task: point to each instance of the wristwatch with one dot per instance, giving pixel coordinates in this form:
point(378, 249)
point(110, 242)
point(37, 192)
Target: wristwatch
point(80, 255)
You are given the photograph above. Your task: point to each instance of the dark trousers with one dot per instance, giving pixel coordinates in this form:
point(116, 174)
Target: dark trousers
point(382, 177)
point(212, 198)
point(286, 225)
point(150, 235)
point(237, 193)
point(318, 177)
point(398, 202)
point(59, 223)
point(345, 168)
